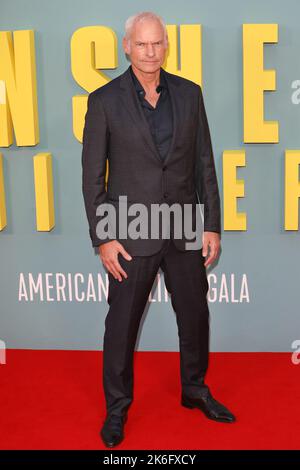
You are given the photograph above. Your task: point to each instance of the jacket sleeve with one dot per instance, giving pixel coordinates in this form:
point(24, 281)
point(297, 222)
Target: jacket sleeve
point(205, 172)
point(94, 156)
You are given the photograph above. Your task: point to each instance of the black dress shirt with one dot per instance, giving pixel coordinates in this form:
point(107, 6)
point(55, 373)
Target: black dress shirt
point(160, 118)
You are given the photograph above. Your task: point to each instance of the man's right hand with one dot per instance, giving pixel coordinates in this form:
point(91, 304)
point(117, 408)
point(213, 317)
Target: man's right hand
point(108, 253)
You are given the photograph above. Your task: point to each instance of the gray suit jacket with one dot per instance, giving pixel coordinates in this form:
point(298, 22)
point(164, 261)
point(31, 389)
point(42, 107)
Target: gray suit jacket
point(116, 130)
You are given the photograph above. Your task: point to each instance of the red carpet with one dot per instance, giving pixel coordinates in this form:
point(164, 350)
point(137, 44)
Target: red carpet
point(54, 400)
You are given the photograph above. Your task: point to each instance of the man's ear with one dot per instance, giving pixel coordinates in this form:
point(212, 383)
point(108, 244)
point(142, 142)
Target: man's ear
point(126, 46)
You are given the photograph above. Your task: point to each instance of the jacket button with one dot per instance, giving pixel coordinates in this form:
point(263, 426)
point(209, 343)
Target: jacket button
point(166, 195)
point(164, 168)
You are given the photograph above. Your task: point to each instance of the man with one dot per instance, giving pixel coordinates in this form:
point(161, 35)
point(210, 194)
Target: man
point(151, 125)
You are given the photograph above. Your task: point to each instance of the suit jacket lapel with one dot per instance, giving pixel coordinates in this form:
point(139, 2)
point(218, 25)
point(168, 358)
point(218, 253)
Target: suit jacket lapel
point(177, 110)
point(131, 102)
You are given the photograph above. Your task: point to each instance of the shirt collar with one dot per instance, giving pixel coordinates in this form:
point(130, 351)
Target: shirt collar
point(140, 90)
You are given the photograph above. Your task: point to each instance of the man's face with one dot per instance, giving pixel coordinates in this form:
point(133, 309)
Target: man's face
point(146, 46)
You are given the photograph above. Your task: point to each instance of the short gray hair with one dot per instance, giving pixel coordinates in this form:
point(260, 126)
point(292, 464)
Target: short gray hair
point(142, 16)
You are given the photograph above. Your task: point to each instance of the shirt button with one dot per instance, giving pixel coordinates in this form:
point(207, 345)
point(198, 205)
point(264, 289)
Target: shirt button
point(164, 168)
point(166, 195)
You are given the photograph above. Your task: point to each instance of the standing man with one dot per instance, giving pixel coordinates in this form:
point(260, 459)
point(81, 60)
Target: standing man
point(152, 128)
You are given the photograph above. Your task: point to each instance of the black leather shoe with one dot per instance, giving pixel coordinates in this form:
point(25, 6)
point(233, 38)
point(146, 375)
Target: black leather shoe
point(112, 432)
point(210, 407)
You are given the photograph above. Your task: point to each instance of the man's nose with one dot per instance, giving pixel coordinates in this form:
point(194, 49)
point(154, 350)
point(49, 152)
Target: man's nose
point(150, 50)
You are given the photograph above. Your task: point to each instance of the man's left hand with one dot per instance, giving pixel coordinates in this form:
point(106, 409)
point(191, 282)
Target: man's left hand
point(211, 241)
